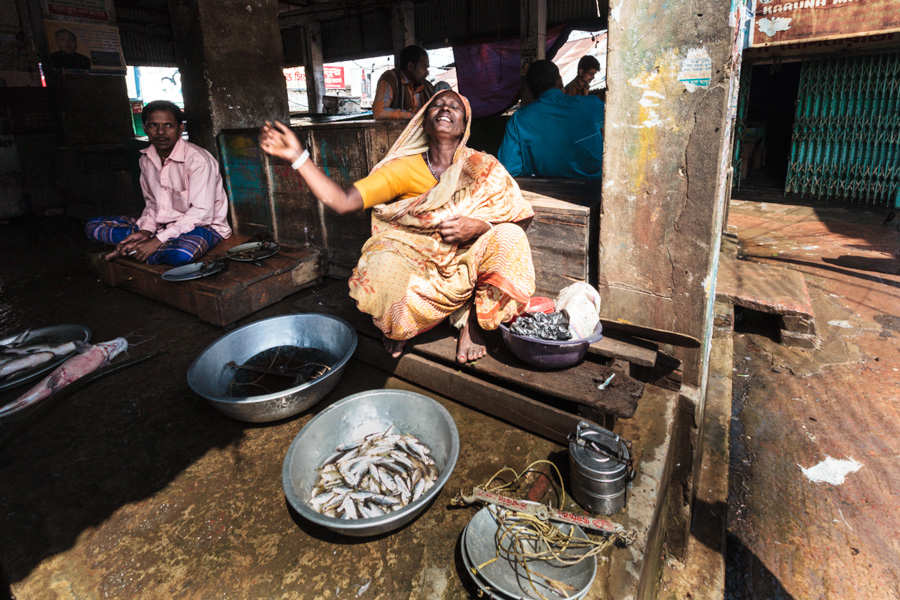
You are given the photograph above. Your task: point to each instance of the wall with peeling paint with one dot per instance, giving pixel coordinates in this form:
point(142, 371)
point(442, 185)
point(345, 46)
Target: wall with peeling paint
point(230, 56)
point(669, 74)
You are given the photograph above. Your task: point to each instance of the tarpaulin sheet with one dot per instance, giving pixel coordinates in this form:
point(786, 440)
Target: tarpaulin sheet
point(489, 72)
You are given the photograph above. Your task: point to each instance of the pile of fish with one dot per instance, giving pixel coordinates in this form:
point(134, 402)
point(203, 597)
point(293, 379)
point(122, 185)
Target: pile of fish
point(550, 326)
point(380, 473)
point(19, 356)
point(90, 358)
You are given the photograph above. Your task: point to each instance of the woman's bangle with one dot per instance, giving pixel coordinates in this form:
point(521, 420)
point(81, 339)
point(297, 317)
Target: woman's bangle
point(300, 160)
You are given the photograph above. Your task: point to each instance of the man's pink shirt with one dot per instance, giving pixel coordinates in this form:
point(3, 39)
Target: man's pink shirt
point(182, 193)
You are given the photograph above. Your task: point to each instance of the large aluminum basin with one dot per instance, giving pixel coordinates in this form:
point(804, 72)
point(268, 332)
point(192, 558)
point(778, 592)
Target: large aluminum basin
point(353, 418)
point(210, 376)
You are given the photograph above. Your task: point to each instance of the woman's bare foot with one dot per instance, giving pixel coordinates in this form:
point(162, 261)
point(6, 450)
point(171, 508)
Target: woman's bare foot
point(394, 347)
point(471, 343)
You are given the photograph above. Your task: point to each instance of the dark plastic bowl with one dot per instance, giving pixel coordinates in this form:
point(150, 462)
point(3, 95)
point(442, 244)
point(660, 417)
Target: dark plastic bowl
point(546, 354)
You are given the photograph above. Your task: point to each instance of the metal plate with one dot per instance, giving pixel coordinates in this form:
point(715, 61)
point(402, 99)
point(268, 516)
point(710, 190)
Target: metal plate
point(195, 271)
point(489, 592)
point(506, 576)
point(253, 251)
point(55, 334)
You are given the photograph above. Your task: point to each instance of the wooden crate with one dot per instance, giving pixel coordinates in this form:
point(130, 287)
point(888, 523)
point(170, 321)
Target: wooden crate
point(239, 291)
point(565, 231)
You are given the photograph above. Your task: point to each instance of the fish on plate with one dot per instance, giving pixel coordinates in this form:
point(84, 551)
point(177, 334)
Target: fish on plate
point(85, 363)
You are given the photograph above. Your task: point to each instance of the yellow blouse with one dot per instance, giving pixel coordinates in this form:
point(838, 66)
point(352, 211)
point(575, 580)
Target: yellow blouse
point(406, 177)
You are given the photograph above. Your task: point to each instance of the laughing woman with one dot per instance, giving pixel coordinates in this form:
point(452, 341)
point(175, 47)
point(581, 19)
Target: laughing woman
point(447, 229)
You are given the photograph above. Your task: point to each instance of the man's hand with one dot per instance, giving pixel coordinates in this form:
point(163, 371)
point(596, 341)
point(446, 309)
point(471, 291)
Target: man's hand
point(143, 250)
point(126, 245)
point(460, 230)
point(278, 140)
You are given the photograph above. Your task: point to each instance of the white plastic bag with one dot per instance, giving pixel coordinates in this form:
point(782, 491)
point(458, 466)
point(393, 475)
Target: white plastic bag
point(581, 303)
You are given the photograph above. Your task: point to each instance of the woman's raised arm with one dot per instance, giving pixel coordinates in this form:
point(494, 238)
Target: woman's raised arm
point(277, 139)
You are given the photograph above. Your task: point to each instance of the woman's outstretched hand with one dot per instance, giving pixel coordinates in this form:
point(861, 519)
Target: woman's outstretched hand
point(277, 139)
point(459, 230)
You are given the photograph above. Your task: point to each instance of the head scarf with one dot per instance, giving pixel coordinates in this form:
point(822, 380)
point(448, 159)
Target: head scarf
point(475, 184)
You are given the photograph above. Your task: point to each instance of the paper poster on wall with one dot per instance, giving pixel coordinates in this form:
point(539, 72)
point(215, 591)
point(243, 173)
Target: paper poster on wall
point(97, 10)
point(86, 48)
point(789, 21)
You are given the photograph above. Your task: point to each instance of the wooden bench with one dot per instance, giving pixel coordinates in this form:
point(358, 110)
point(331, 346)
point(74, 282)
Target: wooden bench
point(240, 290)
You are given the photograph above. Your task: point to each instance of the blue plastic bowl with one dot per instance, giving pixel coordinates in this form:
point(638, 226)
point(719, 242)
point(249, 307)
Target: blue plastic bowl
point(546, 354)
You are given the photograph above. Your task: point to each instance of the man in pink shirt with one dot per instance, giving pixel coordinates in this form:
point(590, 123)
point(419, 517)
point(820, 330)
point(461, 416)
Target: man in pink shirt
point(186, 210)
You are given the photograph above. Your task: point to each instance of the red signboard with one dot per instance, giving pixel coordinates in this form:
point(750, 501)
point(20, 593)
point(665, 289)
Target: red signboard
point(791, 21)
point(334, 78)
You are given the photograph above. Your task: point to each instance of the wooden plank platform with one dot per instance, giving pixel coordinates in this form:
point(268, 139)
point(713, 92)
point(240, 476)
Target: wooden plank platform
point(572, 390)
point(241, 289)
point(564, 232)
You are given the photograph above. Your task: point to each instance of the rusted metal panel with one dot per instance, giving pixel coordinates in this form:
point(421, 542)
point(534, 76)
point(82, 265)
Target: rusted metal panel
point(245, 182)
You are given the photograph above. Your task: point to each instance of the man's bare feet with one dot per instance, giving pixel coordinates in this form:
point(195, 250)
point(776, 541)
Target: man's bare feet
point(394, 347)
point(471, 343)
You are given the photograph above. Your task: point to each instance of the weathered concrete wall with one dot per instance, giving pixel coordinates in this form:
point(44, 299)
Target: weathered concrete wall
point(231, 58)
point(663, 187)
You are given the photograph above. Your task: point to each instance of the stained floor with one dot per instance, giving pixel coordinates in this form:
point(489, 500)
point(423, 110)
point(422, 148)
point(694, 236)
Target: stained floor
point(789, 536)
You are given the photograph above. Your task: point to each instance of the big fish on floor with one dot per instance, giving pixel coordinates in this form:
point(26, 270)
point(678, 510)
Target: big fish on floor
point(12, 366)
point(55, 349)
point(73, 369)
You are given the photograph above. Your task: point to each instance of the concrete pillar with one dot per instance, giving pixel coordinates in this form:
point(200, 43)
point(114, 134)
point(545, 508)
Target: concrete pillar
point(315, 67)
point(403, 25)
point(231, 58)
point(665, 165)
point(533, 31)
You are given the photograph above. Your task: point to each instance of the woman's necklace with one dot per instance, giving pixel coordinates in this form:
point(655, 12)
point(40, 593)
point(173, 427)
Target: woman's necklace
point(428, 162)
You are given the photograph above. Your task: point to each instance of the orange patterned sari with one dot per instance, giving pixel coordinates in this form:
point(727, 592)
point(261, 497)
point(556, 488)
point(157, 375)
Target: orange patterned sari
point(409, 280)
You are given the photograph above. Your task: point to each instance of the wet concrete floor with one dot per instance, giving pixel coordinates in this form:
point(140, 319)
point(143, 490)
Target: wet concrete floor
point(789, 536)
point(135, 487)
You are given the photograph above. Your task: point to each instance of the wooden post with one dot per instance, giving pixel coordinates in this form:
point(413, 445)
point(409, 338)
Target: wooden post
point(403, 25)
point(315, 67)
point(533, 19)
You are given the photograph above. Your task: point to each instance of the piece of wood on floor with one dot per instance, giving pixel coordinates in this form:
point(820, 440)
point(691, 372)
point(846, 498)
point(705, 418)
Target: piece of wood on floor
point(576, 385)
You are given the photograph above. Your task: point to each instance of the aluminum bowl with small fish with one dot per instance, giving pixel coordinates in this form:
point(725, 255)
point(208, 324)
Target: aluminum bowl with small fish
point(274, 368)
point(398, 430)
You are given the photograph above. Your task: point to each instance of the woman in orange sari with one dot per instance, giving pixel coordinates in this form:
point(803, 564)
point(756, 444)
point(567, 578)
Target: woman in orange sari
point(447, 233)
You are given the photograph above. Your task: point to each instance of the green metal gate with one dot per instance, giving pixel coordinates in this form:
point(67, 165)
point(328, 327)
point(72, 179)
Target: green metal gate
point(737, 144)
point(846, 139)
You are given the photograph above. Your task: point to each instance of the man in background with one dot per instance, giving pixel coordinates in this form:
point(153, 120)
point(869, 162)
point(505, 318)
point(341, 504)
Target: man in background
point(67, 56)
point(403, 90)
point(556, 135)
point(588, 67)
point(186, 210)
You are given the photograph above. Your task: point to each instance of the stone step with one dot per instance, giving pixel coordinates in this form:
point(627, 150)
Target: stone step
point(773, 290)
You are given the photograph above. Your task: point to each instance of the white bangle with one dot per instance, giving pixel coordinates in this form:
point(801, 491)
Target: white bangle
point(490, 225)
point(300, 160)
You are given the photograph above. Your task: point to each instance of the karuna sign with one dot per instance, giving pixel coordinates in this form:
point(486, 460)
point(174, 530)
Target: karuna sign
point(296, 78)
point(790, 21)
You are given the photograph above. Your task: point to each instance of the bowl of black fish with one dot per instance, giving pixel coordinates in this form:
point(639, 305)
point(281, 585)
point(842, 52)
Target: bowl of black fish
point(545, 341)
point(372, 462)
point(274, 368)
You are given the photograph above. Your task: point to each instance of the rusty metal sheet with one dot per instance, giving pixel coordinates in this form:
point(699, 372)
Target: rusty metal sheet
point(790, 21)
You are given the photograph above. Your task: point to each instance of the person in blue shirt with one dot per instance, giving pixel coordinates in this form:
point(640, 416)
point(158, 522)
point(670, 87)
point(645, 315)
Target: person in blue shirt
point(557, 135)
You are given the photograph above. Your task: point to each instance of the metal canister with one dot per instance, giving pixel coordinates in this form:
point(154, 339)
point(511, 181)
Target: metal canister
point(599, 469)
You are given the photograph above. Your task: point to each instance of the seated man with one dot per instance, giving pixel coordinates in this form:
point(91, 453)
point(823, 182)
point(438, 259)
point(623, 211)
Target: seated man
point(403, 90)
point(588, 66)
point(186, 212)
point(557, 135)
